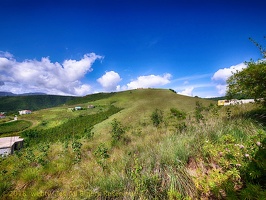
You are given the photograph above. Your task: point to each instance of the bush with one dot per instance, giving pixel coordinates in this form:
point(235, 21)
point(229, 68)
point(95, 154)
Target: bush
point(157, 117)
point(117, 131)
point(178, 114)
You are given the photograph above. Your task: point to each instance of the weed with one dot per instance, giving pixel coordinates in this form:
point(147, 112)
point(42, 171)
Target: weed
point(76, 146)
point(198, 111)
point(101, 154)
point(117, 131)
point(178, 114)
point(157, 117)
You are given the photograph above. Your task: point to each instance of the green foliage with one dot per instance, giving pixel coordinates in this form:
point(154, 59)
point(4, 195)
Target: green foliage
point(198, 111)
point(101, 154)
point(73, 127)
point(159, 182)
point(88, 133)
point(157, 117)
point(228, 113)
point(222, 159)
point(181, 127)
point(34, 102)
point(251, 81)
point(76, 146)
point(172, 90)
point(178, 114)
point(117, 131)
point(242, 164)
point(42, 158)
point(15, 126)
point(252, 191)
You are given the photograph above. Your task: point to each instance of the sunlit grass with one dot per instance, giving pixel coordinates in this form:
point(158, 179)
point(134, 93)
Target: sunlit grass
point(181, 158)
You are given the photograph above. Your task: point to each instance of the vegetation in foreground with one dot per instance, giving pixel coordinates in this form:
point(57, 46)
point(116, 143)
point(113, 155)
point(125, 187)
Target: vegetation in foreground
point(207, 152)
point(14, 127)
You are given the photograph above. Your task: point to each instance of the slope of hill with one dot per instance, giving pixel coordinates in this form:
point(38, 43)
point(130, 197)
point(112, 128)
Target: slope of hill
point(139, 104)
point(197, 150)
point(32, 102)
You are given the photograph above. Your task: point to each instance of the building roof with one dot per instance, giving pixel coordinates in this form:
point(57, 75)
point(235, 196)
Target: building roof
point(6, 142)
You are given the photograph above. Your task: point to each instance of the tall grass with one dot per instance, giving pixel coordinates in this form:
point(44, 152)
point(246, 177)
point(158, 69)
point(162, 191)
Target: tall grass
point(14, 127)
point(219, 156)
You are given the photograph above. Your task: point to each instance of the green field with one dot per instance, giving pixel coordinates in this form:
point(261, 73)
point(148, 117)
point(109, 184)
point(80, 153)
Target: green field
point(139, 144)
point(13, 127)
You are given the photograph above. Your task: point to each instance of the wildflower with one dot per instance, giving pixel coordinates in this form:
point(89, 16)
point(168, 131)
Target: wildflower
point(238, 165)
point(258, 143)
point(241, 146)
point(246, 155)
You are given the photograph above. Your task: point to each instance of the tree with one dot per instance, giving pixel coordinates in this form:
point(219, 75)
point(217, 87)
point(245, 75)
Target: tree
point(117, 131)
point(251, 81)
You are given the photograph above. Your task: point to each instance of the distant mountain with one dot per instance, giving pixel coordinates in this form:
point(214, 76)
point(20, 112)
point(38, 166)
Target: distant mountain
point(31, 94)
point(5, 94)
point(10, 94)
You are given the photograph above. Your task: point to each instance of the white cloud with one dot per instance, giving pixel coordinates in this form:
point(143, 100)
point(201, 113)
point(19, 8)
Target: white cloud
point(149, 81)
point(221, 89)
point(5, 54)
point(222, 75)
point(187, 91)
point(45, 76)
point(109, 81)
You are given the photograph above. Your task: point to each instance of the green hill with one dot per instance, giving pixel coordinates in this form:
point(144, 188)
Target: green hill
point(34, 102)
point(140, 103)
point(139, 144)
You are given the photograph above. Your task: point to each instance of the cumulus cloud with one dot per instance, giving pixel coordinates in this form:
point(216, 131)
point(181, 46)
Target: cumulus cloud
point(222, 75)
point(109, 81)
point(5, 54)
point(187, 91)
point(149, 81)
point(221, 89)
point(46, 76)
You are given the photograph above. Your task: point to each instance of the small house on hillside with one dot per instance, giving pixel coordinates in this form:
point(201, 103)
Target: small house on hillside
point(70, 109)
point(78, 108)
point(91, 106)
point(24, 112)
point(2, 116)
point(9, 144)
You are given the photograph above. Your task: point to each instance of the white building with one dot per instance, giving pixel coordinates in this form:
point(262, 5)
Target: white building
point(24, 112)
point(234, 102)
point(78, 108)
point(9, 144)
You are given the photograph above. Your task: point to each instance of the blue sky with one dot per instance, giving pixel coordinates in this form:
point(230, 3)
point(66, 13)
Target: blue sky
point(82, 47)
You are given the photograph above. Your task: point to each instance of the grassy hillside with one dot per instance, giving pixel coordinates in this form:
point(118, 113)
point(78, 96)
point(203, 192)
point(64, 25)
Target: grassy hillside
point(34, 102)
point(89, 98)
point(140, 103)
point(140, 144)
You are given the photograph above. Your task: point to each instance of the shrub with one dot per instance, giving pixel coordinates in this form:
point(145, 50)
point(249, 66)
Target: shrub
point(157, 117)
point(101, 154)
point(178, 114)
point(198, 111)
point(117, 131)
